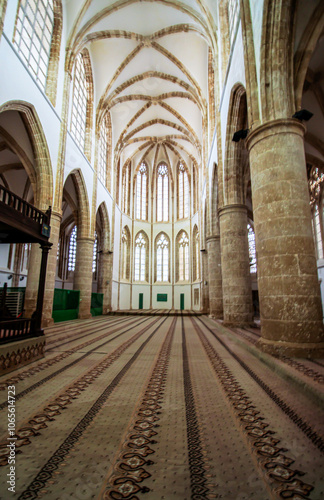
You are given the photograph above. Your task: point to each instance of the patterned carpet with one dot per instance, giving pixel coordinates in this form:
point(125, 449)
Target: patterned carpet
point(162, 407)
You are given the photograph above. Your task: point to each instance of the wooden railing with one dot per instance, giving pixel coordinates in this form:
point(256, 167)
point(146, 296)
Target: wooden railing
point(16, 329)
point(23, 207)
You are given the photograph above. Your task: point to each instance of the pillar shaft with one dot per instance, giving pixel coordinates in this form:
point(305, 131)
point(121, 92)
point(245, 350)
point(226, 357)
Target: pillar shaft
point(215, 277)
point(105, 279)
point(83, 275)
point(51, 270)
point(32, 280)
point(237, 293)
point(289, 292)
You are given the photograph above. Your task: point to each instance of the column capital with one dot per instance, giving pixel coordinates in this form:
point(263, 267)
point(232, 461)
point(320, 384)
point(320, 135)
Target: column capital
point(212, 237)
point(275, 127)
point(235, 207)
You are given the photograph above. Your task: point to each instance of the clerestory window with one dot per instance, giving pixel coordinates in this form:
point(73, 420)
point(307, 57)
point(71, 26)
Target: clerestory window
point(33, 36)
point(183, 192)
point(141, 192)
point(162, 193)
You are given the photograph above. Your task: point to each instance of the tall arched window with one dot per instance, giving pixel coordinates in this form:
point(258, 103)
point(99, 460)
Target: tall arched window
point(315, 183)
point(162, 244)
point(103, 152)
point(162, 189)
point(125, 253)
point(141, 255)
point(183, 192)
point(252, 251)
point(141, 192)
point(72, 249)
point(318, 232)
point(79, 102)
point(183, 257)
point(95, 254)
point(33, 36)
point(126, 188)
point(233, 17)
point(196, 254)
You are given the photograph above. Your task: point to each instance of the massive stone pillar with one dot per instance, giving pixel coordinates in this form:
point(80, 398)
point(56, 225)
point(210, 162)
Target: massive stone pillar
point(32, 280)
point(289, 292)
point(83, 275)
point(215, 277)
point(237, 293)
point(51, 270)
point(205, 283)
point(105, 282)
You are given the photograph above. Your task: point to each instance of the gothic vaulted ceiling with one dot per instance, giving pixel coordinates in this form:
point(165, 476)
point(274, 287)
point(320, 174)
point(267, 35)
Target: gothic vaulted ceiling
point(150, 71)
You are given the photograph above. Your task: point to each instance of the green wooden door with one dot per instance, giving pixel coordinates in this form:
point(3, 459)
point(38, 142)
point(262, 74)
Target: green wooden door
point(181, 301)
point(140, 301)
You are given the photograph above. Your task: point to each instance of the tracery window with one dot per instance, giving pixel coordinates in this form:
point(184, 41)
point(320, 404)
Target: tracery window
point(103, 152)
point(95, 254)
point(141, 251)
point(79, 102)
point(126, 188)
point(196, 254)
point(183, 257)
point(125, 251)
point(33, 36)
point(252, 251)
point(233, 17)
point(72, 249)
point(318, 232)
point(316, 184)
point(162, 257)
point(162, 193)
point(183, 192)
point(141, 192)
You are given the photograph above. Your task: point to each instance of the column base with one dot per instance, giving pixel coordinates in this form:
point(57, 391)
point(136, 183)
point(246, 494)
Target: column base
point(291, 349)
point(85, 316)
point(238, 324)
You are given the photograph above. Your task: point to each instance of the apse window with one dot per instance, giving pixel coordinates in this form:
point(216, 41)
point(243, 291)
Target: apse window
point(183, 247)
point(33, 36)
point(141, 192)
point(79, 102)
point(162, 258)
point(252, 251)
point(162, 193)
point(140, 257)
point(72, 249)
point(183, 192)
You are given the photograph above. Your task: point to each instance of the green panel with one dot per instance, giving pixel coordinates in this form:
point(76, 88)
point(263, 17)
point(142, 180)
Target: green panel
point(65, 315)
point(162, 297)
point(140, 301)
point(66, 299)
point(181, 301)
point(96, 300)
point(96, 311)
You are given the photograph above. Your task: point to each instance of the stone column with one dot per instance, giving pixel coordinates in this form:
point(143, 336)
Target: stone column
point(237, 292)
point(83, 275)
point(51, 270)
point(215, 277)
point(205, 283)
point(105, 283)
point(289, 291)
point(32, 280)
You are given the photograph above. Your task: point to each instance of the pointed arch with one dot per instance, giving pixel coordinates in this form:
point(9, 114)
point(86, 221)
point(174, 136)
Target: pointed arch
point(83, 207)
point(41, 174)
point(236, 120)
point(214, 202)
point(276, 72)
point(105, 225)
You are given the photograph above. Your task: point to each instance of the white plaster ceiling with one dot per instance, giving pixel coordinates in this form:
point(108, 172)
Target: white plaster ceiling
point(150, 70)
